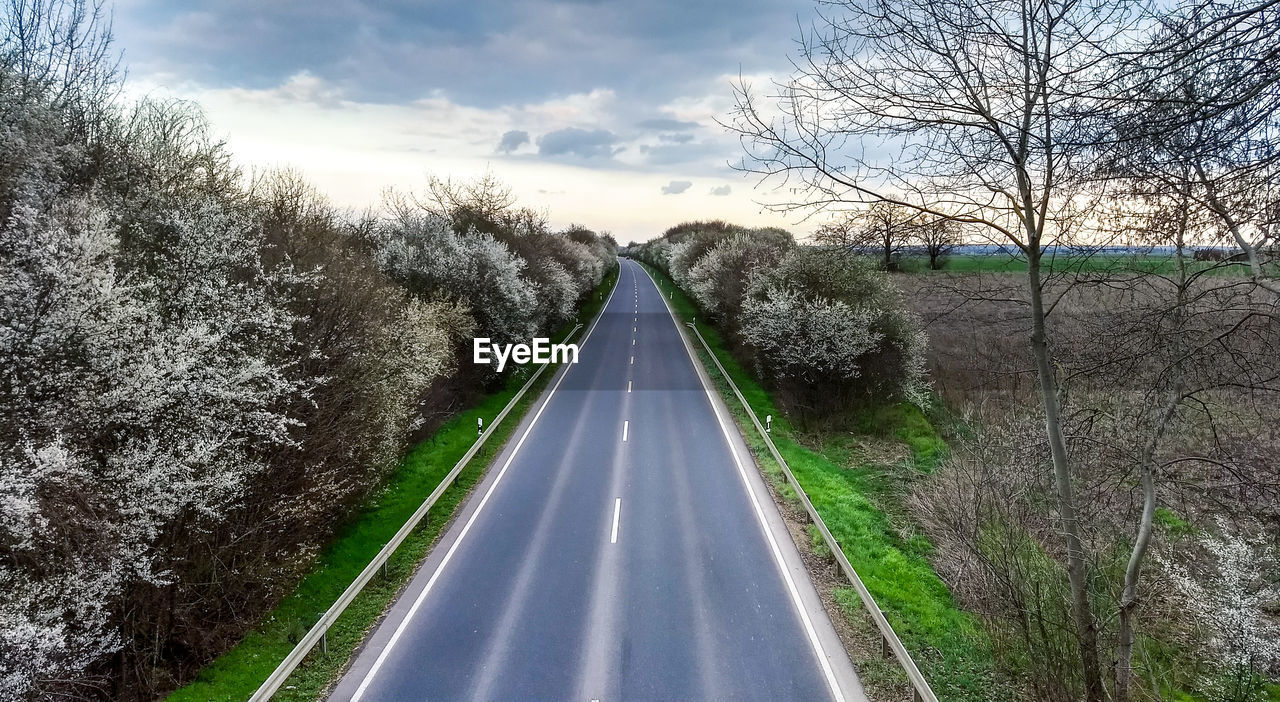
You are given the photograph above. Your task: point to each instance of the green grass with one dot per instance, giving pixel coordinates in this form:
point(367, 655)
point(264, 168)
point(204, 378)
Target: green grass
point(237, 674)
point(948, 644)
point(1099, 263)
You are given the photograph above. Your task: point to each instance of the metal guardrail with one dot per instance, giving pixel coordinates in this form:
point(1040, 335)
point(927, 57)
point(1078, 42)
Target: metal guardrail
point(889, 641)
point(317, 634)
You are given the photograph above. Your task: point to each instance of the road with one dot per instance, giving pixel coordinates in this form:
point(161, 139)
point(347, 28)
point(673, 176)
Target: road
point(621, 547)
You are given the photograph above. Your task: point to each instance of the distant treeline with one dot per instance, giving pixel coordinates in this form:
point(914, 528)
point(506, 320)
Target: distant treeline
point(204, 373)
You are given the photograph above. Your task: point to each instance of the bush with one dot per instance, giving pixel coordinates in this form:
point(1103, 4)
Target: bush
point(718, 280)
point(820, 326)
point(201, 380)
point(432, 261)
point(826, 329)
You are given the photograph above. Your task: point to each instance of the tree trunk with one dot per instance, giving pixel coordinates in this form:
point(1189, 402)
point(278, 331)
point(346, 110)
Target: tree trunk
point(1086, 628)
point(1129, 598)
point(1250, 251)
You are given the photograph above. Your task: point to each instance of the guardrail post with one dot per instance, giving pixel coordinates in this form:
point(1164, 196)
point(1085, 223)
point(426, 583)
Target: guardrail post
point(324, 642)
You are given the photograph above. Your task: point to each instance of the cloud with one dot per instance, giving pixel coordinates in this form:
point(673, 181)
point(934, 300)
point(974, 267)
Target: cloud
point(676, 138)
point(512, 140)
point(666, 125)
point(488, 54)
point(690, 153)
point(584, 143)
point(676, 187)
point(721, 191)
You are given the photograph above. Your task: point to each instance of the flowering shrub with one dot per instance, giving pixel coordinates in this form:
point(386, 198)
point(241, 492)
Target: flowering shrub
point(819, 325)
point(432, 260)
point(718, 280)
point(830, 329)
point(1234, 596)
point(201, 376)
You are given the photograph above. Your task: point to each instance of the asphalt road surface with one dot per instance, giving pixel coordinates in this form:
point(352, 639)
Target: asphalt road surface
point(621, 547)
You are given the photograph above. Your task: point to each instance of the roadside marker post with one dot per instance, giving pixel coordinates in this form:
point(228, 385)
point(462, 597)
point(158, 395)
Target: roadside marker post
point(768, 424)
point(479, 426)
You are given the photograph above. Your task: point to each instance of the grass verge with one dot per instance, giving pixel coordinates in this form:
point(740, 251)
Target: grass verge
point(237, 674)
point(860, 497)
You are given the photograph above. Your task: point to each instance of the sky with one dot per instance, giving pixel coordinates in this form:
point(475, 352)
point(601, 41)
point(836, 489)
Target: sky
point(601, 112)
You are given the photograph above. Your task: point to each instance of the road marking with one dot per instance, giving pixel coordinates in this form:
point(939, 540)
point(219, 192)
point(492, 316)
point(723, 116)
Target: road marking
point(626, 424)
point(633, 330)
point(764, 525)
point(633, 342)
point(617, 507)
point(466, 528)
point(628, 386)
point(633, 360)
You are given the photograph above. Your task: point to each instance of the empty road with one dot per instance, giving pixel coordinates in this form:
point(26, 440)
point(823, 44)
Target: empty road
point(621, 547)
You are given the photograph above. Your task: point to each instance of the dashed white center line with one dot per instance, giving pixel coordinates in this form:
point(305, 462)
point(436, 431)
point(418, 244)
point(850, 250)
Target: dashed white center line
point(628, 386)
point(633, 342)
point(633, 360)
point(626, 424)
point(617, 509)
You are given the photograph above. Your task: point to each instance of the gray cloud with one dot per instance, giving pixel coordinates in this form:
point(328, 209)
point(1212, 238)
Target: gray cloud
point(583, 143)
point(676, 187)
point(667, 153)
point(512, 140)
point(721, 191)
point(666, 125)
point(676, 138)
point(486, 54)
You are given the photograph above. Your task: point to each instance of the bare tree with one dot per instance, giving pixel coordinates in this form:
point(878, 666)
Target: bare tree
point(883, 228)
point(1200, 117)
point(1196, 140)
point(991, 107)
point(938, 236)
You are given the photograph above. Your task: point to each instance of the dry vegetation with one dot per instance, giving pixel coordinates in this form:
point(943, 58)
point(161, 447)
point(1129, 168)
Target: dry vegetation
point(990, 507)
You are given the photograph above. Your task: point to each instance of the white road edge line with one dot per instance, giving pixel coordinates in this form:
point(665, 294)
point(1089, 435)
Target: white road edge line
point(755, 502)
point(453, 548)
point(617, 508)
point(625, 425)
